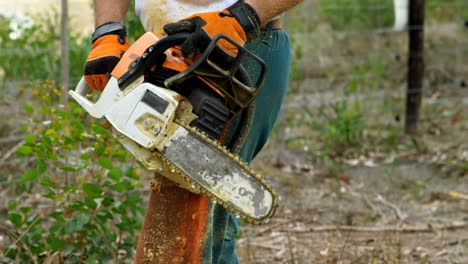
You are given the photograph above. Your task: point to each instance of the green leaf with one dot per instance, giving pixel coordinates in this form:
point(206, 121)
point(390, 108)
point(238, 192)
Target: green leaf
point(105, 163)
point(50, 195)
point(28, 109)
point(82, 219)
point(100, 149)
point(115, 174)
point(29, 175)
point(41, 166)
point(56, 228)
point(33, 218)
point(63, 114)
point(12, 205)
point(85, 156)
point(131, 173)
point(76, 109)
point(46, 181)
point(50, 132)
point(92, 260)
point(55, 243)
point(58, 215)
point(117, 204)
point(77, 125)
point(99, 129)
point(46, 140)
point(90, 203)
point(120, 187)
point(103, 216)
point(15, 219)
point(70, 227)
point(68, 169)
point(30, 139)
point(24, 151)
point(69, 189)
point(130, 241)
point(26, 209)
point(96, 240)
point(68, 250)
point(92, 189)
point(107, 201)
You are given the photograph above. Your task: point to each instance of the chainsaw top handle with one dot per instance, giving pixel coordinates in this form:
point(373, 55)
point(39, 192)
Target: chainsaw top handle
point(153, 55)
point(238, 77)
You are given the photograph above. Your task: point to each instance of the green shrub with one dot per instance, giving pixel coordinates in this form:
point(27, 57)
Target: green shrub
point(75, 189)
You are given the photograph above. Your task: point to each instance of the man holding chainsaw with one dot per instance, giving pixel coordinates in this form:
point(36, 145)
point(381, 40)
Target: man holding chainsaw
point(179, 226)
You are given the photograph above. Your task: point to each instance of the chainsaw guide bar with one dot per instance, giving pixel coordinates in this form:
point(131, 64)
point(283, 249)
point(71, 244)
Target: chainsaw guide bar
point(256, 201)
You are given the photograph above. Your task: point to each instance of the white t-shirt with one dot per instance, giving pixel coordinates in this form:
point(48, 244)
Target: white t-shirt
point(154, 14)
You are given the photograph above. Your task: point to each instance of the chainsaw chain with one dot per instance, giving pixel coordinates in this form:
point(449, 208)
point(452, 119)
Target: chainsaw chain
point(197, 187)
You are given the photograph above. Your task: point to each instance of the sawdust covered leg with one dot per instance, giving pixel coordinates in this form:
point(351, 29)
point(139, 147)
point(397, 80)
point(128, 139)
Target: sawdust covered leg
point(174, 226)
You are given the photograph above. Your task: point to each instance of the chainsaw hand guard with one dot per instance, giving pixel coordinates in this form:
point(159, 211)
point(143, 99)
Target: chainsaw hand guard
point(238, 83)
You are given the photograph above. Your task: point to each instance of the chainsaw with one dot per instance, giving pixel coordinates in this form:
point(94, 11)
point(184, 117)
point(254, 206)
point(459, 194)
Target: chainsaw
point(170, 112)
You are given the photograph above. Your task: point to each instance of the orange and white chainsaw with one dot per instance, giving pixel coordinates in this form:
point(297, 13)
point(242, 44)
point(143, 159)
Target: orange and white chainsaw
point(170, 112)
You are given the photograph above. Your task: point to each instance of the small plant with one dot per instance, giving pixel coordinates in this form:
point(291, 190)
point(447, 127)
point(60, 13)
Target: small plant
point(343, 127)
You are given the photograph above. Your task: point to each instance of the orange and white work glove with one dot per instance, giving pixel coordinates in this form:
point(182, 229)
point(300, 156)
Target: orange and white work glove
point(109, 44)
point(240, 22)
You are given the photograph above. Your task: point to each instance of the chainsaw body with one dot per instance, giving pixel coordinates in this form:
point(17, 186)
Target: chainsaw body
point(169, 113)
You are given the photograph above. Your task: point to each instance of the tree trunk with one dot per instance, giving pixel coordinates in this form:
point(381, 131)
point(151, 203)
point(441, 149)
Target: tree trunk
point(65, 60)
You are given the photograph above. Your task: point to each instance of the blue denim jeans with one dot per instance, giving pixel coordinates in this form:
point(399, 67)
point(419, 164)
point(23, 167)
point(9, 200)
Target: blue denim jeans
point(273, 47)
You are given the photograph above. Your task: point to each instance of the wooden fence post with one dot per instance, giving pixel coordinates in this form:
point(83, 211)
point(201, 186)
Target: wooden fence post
point(415, 65)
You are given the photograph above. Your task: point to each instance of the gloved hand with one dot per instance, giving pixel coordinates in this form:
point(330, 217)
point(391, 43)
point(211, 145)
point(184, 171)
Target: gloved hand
point(109, 44)
point(240, 22)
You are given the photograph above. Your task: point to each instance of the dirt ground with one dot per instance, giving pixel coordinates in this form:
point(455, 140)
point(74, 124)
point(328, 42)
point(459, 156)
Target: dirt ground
point(395, 213)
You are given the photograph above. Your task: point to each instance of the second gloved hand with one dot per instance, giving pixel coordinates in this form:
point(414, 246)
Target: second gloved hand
point(240, 22)
point(108, 48)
